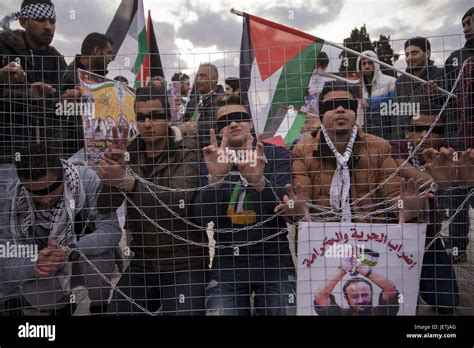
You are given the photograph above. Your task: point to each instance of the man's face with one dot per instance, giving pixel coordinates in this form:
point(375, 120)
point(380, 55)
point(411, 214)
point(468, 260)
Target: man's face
point(204, 81)
point(468, 29)
point(342, 119)
point(151, 121)
point(359, 297)
point(237, 131)
point(185, 87)
point(40, 31)
point(103, 57)
point(367, 67)
point(50, 182)
point(415, 57)
point(418, 129)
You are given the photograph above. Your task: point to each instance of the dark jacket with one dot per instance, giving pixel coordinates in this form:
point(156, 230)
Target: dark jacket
point(408, 90)
point(212, 204)
point(176, 168)
point(460, 120)
point(314, 166)
point(20, 115)
point(207, 114)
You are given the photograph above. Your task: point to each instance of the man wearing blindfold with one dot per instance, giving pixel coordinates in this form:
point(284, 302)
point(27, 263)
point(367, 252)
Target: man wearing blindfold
point(251, 255)
point(438, 286)
point(54, 207)
point(341, 164)
point(164, 271)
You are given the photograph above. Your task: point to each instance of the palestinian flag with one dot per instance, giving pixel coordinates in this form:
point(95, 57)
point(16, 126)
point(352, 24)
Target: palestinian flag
point(276, 63)
point(134, 46)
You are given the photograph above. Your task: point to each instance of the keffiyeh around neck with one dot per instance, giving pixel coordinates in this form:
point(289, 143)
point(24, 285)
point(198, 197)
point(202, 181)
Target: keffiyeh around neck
point(341, 180)
point(59, 220)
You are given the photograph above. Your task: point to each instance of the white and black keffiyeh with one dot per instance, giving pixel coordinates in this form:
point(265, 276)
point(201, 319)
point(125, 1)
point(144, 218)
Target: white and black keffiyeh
point(341, 180)
point(33, 11)
point(59, 220)
point(415, 160)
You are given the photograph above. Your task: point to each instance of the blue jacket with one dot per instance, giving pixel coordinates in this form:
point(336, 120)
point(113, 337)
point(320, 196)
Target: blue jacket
point(211, 205)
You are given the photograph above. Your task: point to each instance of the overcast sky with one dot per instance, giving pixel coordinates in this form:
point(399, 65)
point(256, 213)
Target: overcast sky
point(193, 31)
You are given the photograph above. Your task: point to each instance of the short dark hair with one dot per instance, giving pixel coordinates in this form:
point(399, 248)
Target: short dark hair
point(32, 2)
point(94, 40)
point(233, 82)
point(336, 85)
point(149, 93)
point(36, 160)
point(180, 77)
point(322, 60)
point(420, 42)
point(356, 280)
point(121, 78)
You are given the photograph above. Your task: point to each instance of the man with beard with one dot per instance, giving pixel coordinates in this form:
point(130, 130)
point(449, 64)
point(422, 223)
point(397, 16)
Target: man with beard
point(438, 285)
point(28, 91)
point(96, 54)
point(358, 293)
point(407, 90)
point(28, 103)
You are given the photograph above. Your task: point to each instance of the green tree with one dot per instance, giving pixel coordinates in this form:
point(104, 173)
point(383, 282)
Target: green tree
point(359, 41)
point(385, 53)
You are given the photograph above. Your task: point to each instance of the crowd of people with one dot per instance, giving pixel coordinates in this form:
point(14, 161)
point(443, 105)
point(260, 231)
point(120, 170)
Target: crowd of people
point(207, 201)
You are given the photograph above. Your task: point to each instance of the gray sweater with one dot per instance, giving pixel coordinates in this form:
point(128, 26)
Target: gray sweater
point(105, 235)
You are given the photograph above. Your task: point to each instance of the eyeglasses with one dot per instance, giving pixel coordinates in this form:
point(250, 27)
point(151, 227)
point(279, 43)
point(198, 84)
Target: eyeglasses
point(226, 120)
point(153, 115)
point(51, 188)
point(333, 104)
point(418, 128)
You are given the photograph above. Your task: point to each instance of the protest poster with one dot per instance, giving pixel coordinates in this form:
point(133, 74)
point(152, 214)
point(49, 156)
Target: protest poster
point(112, 104)
point(359, 269)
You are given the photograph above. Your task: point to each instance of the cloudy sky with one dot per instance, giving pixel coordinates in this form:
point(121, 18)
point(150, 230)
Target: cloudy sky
point(193, 31)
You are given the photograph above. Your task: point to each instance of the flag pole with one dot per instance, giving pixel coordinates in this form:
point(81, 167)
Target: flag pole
point(375, 60)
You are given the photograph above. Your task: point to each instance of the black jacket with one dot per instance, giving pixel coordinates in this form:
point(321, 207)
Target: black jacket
point(460, 117)
point(20, 116)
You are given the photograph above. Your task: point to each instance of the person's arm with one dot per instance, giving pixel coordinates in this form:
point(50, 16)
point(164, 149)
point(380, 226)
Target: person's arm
point(322, 295)
point(407, 171)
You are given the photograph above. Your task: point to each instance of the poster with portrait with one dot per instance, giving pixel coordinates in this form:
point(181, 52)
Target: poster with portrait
point(111, 104)
point(359, 269)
